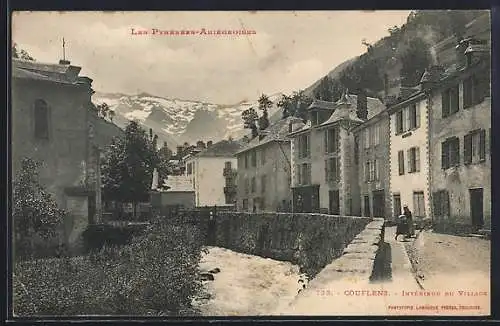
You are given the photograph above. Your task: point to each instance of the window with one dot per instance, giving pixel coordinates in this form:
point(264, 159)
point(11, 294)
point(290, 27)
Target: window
point(253, 158)
point(246, 160)
point(262, 156)
point(414, 112)
point(332, 169)
point(245, 204)
point(441, 203)
point(401, 162)
point(367, 138)
point(331, 140)
point(189, 168)
point(449, 100)
point(474, 147)
point(246, 185)
point(476, 88)
point(253, 185)
point(418, 204)
point(413, 160)
point(263, 183)
point(399, 122)
point(397, 204)
point(450, 153)
point(377, 170)
point(227, 165)
point(41, 119)
point(371, 171)
point(376, 134)
point(304, 174)
point(304, 146)
point(406, 119)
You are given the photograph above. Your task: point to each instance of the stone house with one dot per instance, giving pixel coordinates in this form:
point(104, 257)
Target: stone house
point(324, 175)
point(460, 139)
point(206, 172)
point(409, 155)
point(53, 123)
point(264, 169)
point(371, 142)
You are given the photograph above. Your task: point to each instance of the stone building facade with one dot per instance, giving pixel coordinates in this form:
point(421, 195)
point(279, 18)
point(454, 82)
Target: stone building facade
point(460, 141)
point(372, 159)
point(324, 176)
point(264, 170)
point(53, 123)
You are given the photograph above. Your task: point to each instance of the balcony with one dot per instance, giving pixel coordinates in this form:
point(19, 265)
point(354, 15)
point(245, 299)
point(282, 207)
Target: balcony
point(230, 190)
point(228, 172)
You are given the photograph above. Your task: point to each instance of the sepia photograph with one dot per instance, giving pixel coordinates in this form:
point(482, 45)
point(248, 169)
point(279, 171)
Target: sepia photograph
point(250, 163)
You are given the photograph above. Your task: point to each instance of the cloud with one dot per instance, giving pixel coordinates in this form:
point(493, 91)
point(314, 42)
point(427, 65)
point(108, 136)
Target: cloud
point(290, 50)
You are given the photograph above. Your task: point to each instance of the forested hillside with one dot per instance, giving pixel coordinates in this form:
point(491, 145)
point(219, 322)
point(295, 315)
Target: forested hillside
point(400, 58)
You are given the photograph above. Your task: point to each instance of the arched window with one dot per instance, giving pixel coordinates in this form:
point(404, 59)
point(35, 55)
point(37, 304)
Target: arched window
point(41, 119)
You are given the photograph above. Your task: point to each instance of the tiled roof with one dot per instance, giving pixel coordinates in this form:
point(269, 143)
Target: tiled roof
point(319, 104)
point(374, 106)
point(179, 183)
point(275, 132)
point(224, 148)
point(66, 74)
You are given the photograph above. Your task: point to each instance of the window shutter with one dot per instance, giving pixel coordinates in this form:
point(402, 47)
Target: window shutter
point(417, 116)
point(436, 203)
point(444, 155)
point(417, 159)
point(377, 173)
point(326, 141)
point(467, 149)
point(327, 176)
point(299, 180)
point(337, 168)
point(445, 103)
point(454, 99)
point(467, 85)
point(482, 145)
point(410, 167)
point(401, 162)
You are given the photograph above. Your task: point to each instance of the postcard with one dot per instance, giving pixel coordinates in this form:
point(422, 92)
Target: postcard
point(265, 163)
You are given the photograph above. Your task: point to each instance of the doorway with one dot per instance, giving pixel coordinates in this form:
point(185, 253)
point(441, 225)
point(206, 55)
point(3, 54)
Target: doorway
point(367, 206)
point(476, 207)
point(397, 205)
point(379, 203)
point(334, 202)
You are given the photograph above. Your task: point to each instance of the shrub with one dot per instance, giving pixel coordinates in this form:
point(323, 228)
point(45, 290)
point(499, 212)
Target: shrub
point(35, 212)
point(96, 236)
point(157, 274)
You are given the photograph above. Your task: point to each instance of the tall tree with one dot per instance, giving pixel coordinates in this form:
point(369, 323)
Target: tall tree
point(128, 166)
point(264, 104)
point(250, 118)
point(295, 105)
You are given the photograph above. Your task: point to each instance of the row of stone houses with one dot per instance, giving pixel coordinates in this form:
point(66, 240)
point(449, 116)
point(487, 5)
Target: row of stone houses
point(428, 149)
point(54, 122)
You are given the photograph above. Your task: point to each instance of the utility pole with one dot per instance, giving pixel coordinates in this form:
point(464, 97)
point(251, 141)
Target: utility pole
point(64, 49)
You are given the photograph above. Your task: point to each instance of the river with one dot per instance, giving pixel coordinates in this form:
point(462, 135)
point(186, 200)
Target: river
point(247, 285)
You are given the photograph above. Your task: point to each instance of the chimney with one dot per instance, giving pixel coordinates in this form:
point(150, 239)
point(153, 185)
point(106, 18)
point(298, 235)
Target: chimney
point(362, 105)
point(460, 52)
point(431, 76)
point(64, 62)
point(209, 143)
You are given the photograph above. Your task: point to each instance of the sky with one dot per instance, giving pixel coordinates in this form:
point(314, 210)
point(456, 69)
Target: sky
point(287, 52)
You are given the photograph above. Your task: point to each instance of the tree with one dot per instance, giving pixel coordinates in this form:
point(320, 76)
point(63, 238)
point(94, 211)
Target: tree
point(21, 54)
point(34, 211)
point(328, 89)
point(295, 105)
point(128, 165)
point(250, 118)
point(264, 104)
point(414, 62)
point(111, 115)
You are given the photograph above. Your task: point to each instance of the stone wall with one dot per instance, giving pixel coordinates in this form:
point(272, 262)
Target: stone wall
point(357, 260)
point(309, 240)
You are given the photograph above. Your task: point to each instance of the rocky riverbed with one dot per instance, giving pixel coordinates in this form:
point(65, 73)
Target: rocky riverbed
point(246, 285)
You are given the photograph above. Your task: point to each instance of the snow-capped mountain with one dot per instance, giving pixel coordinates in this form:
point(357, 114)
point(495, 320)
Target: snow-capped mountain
point(177, 121)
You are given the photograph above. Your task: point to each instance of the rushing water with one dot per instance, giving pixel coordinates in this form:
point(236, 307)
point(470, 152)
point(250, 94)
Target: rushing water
point(246, 284)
